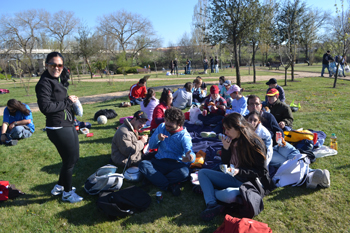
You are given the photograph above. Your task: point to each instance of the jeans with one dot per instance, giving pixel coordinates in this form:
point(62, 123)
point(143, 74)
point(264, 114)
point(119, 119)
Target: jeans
point(164, 172)
point(212, 68)
point(343, 67)
point(323, 67)
point(282, 154)
point(210, 119)
point(18, 132)
point(211, 181)
point(217, 68)
point(136, 101)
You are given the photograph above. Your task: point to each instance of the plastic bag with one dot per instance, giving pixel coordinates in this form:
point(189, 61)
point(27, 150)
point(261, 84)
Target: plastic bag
point(78, 108)
point(347, 69)
point(194, 112)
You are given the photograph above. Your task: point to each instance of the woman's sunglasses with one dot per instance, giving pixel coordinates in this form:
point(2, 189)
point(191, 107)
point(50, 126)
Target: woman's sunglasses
point(54, 65)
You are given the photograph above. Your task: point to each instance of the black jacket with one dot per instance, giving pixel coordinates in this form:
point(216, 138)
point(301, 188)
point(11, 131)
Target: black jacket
point(53, 101)
point(326, 58)
point(251, 173)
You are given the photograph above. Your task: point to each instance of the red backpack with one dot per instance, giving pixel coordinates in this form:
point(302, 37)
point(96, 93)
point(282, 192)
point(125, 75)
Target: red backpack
point(4, 190)
point(244, 225)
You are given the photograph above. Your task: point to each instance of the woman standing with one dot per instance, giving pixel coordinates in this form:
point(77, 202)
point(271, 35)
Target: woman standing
point(246, 152)
point(56, 105)
point(149, 103)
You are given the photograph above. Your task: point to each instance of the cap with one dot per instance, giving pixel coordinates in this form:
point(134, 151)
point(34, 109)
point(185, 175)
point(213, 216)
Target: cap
point(272, 92)
point(227, 83)
point(214, 89)
point(271, 81)
point(234, 88)
point(140, 115)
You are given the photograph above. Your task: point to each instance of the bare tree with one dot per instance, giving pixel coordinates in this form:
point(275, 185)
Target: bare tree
point(132, 32)
point(21, 34)
point(87, 45)
point(59, 25)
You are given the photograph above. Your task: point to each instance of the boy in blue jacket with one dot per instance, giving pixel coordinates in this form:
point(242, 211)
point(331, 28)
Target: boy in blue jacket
point(170, 166)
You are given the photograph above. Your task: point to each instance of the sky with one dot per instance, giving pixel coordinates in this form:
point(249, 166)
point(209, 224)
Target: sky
point(170, 19)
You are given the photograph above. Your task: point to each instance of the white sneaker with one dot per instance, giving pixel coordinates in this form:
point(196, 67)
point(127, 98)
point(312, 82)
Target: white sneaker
point(314, 178)
point(58, 189)
point(326, 179)
point(71, 196)
point(208, 134)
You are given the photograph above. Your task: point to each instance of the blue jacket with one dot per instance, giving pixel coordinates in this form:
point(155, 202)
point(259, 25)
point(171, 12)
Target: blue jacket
point(174, 146)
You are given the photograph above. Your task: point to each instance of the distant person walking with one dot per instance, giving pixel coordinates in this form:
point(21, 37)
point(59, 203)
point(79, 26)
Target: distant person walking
point(325, 63)
point(176, 70)
point(171, 66)
point(212, 64)
point(216, 62)
point(205, 64)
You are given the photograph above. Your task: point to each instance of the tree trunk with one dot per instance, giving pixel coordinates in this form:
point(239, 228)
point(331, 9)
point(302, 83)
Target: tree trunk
point(90, 69)
point(292, 72)
point(285, 76)
point(239, 54)
point(238, 76)
point(253, 61)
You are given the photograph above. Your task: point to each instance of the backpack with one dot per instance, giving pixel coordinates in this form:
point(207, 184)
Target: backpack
point(296, 136)
point(292, 172)
point(109, 113)
point(8, 191)
point(104, 179)
point(124, 202)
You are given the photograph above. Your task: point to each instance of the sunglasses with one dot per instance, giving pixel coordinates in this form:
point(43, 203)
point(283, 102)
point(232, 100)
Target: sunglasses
point(54, 65)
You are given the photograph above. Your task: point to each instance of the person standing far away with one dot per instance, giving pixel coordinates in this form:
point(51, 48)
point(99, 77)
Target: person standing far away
point(327, 58)
point(171, 66)
point(216, 62)
point(175, 67)
point(55, 103)
point(212, 64)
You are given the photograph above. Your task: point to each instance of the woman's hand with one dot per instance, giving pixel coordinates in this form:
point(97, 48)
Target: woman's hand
point(226, 142)
point(73, 98)
point(236, 171)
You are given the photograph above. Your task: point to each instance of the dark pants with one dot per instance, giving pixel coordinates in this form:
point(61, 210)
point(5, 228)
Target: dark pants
point(136, 101)
point(212, 68)
point(67, 144)
point(210, 119)
point(163, 172)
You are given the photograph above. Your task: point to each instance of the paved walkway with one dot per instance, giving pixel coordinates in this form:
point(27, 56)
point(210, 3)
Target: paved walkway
point(104, 97)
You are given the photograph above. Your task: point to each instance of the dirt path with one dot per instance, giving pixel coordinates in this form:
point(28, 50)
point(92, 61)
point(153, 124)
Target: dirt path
point(104, 97)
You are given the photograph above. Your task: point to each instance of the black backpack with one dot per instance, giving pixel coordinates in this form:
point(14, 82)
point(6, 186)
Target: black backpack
point(123, 202)
point(109, 113)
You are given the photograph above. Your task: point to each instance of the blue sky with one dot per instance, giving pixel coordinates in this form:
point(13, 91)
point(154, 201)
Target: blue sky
point(170, 18)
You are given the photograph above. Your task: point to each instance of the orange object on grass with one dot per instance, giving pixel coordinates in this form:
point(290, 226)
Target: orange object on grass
point(200, 158)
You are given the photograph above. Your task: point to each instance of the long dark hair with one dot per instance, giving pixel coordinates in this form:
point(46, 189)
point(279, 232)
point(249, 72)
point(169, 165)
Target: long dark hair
point(248, 143)
point(164, 96)
point(148, 97)
point(15, 104)
point(188, 86)
point(52, 55)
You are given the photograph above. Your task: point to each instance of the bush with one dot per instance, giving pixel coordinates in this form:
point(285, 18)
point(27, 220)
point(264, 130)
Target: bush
point(128, 70)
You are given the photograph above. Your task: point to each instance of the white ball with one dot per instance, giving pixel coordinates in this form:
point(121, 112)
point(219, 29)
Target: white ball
point(102, 120)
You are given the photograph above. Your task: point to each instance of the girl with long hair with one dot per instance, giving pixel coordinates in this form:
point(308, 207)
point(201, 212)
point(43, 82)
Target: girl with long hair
point(55, 103)
point(247, 153)
point(165, 101)
point(148, 104)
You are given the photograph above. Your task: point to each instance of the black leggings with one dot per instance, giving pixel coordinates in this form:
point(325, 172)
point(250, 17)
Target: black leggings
point(67, 143)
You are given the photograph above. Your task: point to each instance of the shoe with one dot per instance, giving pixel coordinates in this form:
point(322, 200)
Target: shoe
point(314, 178)
point(11, 142)
point(322, 76)
point(326, 179)
point(58, 189)
point(211, 211)
point(71, 197)
point(208, 134)
point(175, 189)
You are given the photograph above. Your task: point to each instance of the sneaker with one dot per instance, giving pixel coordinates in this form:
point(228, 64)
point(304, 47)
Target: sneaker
point(326, 179)
point(211, 211)
point(208, 134)
point(175, 189)
point(58, 189)
point(314, 178)
point(71, 196)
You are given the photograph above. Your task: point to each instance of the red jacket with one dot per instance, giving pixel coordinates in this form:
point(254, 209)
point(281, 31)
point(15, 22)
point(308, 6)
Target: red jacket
point(137, 92)
point(158, 113)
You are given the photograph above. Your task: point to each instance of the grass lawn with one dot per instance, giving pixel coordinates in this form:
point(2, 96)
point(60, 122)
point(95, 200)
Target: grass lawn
point(34, 164)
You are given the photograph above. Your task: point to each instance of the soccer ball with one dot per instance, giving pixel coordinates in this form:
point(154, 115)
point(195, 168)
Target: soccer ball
point(102, 120)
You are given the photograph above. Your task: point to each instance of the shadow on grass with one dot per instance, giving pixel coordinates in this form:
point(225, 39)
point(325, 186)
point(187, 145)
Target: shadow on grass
point(285, 193)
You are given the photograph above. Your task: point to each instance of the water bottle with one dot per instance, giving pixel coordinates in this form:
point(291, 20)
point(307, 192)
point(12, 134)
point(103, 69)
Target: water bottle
point(334, 143)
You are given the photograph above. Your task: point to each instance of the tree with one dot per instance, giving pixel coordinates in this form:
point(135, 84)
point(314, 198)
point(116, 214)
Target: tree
point(60, 25)
point(21, 33)
point(87, 46)
point(132, 32)
point(291, 18)
point(230, 22)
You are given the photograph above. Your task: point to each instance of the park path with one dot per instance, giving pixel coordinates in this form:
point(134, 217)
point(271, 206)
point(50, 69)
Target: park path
point(108, 96)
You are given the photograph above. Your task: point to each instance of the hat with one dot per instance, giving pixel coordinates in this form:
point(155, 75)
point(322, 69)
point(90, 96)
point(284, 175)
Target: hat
point(140, 115)
point(234, 88)
point(227, 83)
point(272, 92)
point(214, 89)
point(271, 81)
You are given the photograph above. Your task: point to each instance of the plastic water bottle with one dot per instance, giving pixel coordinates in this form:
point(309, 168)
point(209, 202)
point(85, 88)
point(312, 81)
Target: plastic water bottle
point(334, 143)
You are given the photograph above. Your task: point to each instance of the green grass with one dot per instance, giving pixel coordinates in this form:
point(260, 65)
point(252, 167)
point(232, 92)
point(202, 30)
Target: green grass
point(34, 164)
